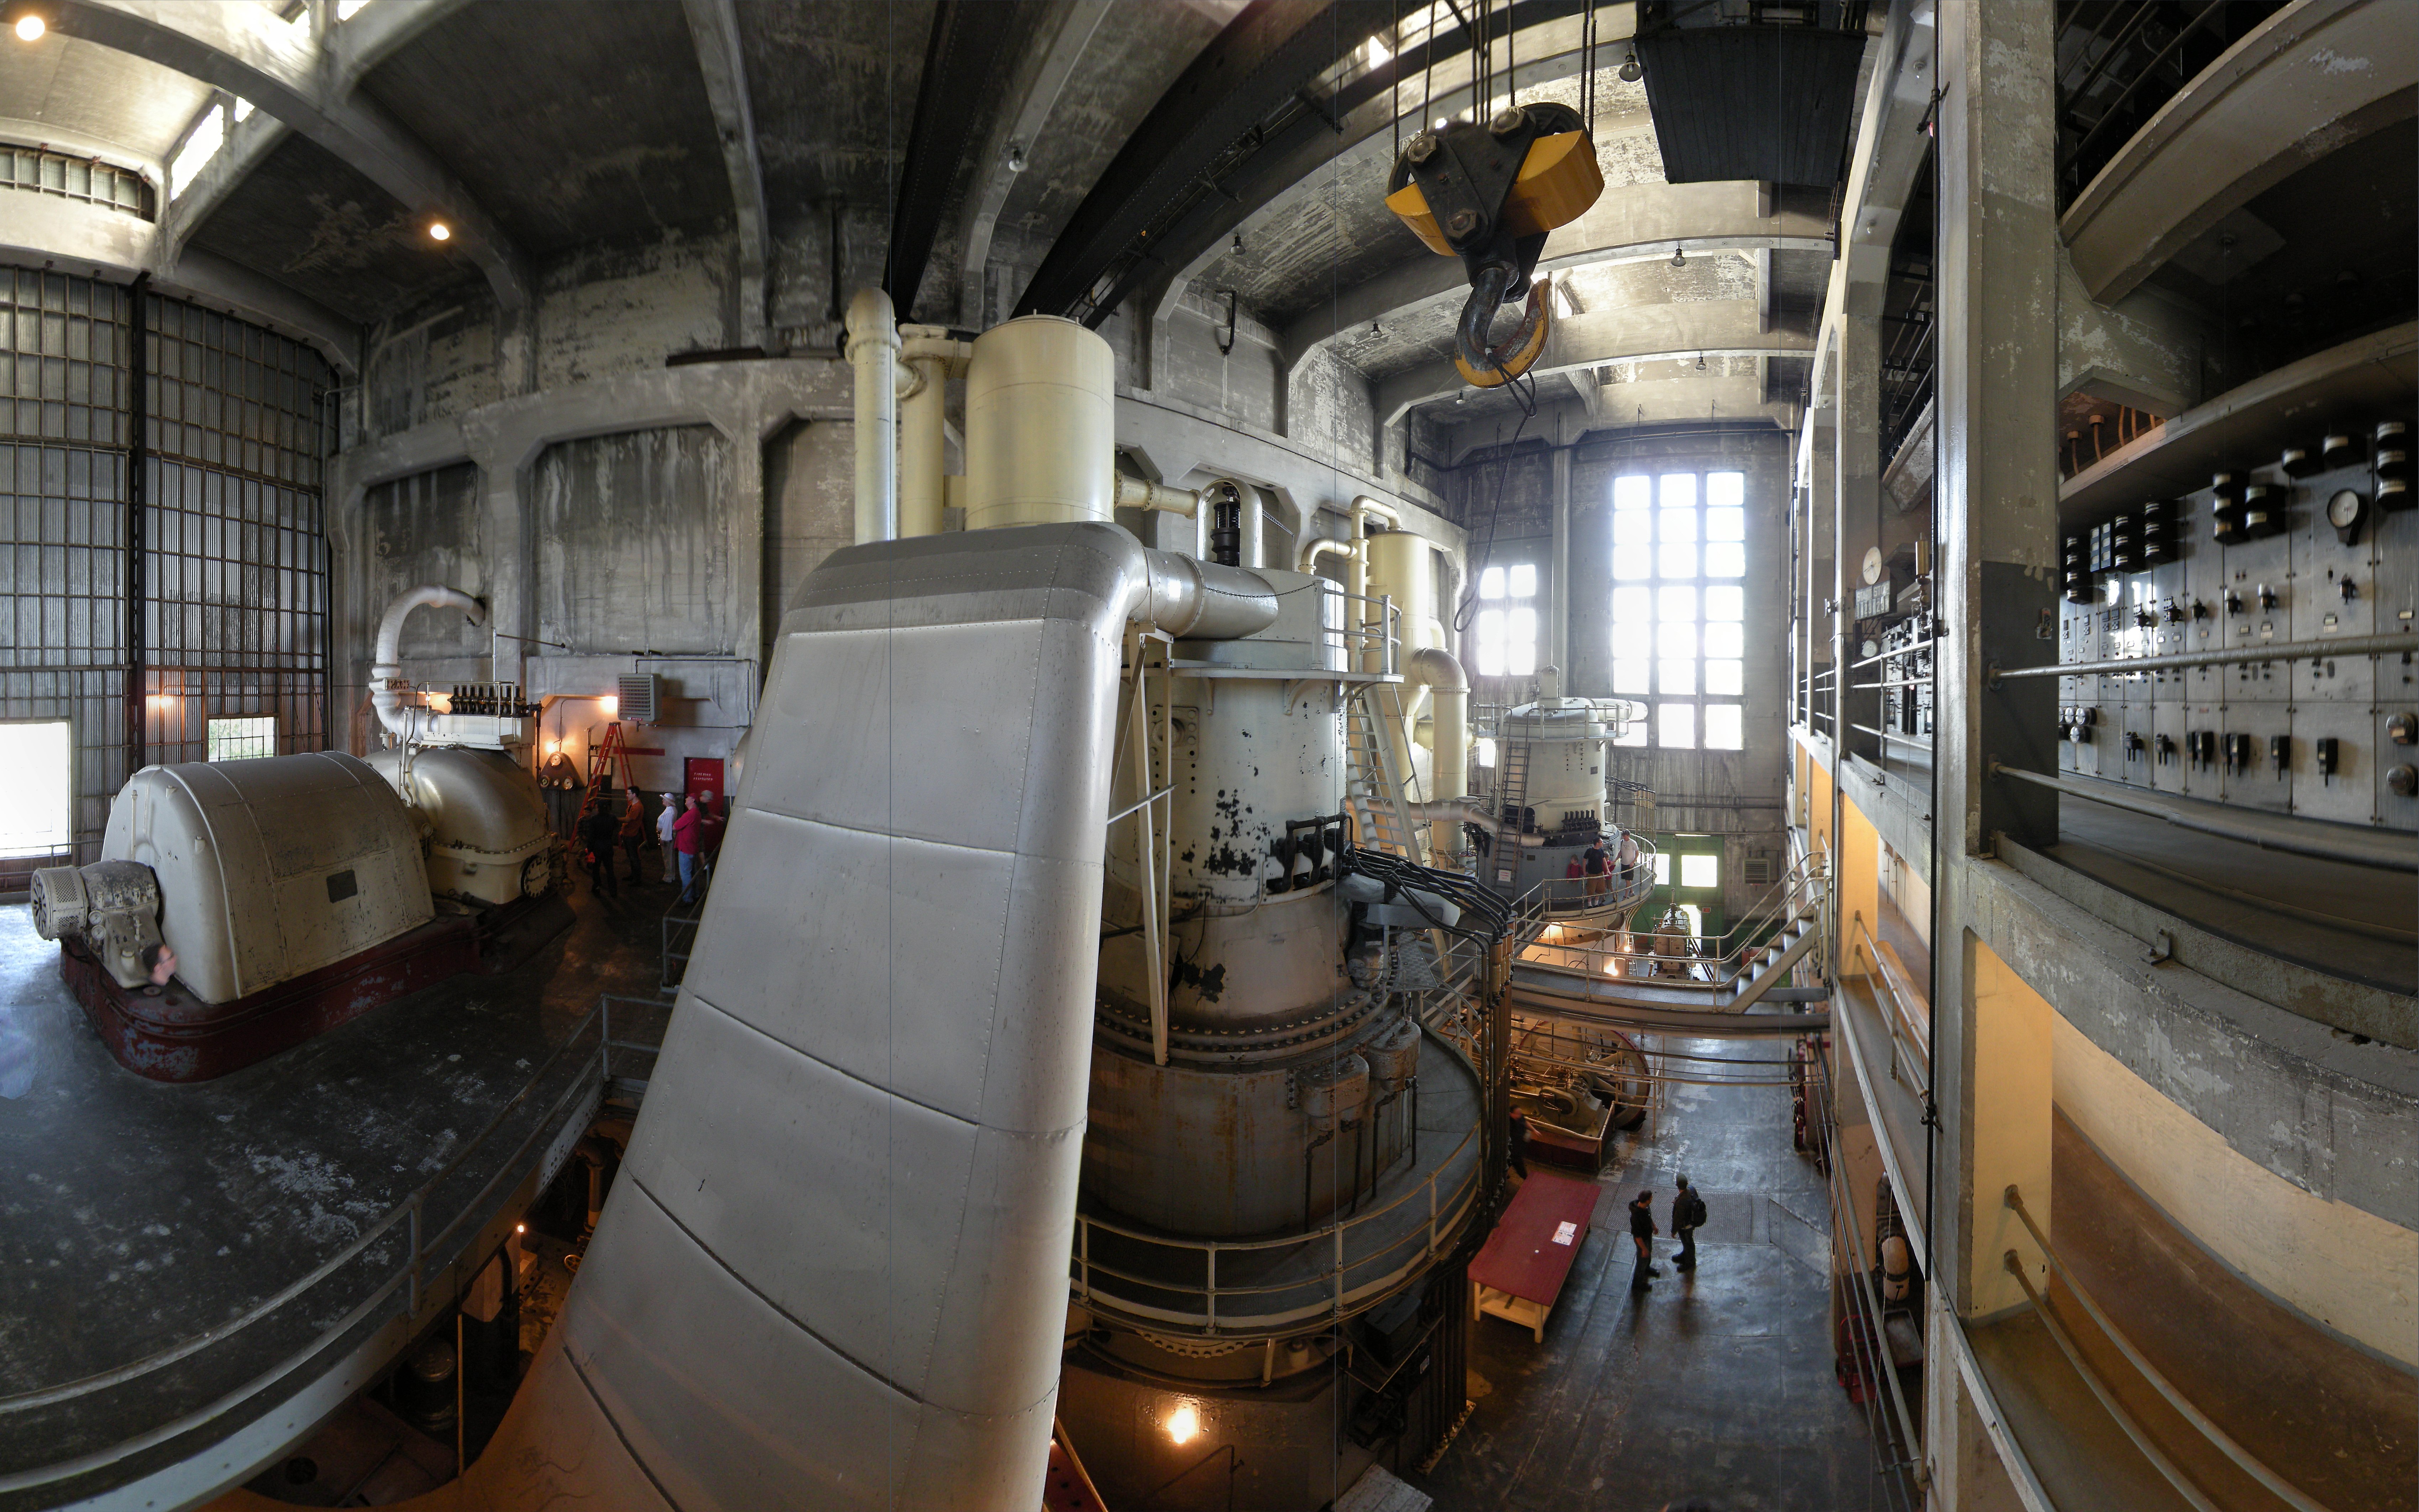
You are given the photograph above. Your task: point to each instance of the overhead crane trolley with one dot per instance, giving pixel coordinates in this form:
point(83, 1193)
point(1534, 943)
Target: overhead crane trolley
point(1489, 194)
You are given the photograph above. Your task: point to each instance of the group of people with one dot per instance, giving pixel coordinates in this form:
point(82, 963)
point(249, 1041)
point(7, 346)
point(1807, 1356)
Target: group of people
point(1600, 865)
point(1687, 1215)
point(689, 831)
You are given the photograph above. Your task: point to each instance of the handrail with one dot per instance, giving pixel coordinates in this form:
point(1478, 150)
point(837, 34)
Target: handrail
point(1835, 1179)
point(2250, 1463)
point(1898, 989)
point(1207, 1288)
point(1798, 891)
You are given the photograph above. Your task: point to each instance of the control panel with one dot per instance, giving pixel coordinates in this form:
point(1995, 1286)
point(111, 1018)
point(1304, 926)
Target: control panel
point(2315, 544)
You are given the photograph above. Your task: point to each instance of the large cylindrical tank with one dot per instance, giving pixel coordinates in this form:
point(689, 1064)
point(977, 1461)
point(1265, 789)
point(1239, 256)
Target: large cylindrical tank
point(1563, 741)
point(270, 867)
point(1402, 566)
point(488, 833)
point(1041, 426)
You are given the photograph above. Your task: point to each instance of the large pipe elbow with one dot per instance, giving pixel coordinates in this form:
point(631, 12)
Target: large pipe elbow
point(1317, 546)
point(1437, 671)
point(386, 671)
point(1202, 601)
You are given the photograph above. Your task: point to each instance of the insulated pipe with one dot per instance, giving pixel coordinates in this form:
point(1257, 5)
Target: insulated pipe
point(1201, 601)
point(929, 358)
point(1137, 493)
point(386, 674)
point(1317, 546)
point(1440, 673)
point(874, 351)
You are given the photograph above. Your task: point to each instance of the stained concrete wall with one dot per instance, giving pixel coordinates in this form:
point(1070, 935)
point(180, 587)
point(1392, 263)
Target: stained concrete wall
point(633, 549)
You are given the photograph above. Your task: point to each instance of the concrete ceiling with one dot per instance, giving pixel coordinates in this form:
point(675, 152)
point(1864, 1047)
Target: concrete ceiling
point(572, 122)
point(101, 97)
point(833, 86)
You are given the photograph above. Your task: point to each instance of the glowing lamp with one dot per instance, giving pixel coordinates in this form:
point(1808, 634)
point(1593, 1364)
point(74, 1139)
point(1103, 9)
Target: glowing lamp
point(440, 231)
point(30, 29)
point(1183, 1424)
point(613, 705)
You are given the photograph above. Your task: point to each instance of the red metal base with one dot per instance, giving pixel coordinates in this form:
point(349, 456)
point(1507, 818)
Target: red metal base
point(175, 1036)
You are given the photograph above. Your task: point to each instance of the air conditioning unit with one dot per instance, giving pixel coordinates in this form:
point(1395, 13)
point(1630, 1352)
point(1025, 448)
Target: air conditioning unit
point(642, 699)
point(1758, 869)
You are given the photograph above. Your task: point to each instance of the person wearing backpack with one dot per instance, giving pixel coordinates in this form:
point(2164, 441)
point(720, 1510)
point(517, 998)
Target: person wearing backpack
point(1687, 1217)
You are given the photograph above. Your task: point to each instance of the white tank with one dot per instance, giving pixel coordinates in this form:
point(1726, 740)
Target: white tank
point(1041, 426)
point(270, 867)
point(488, 833)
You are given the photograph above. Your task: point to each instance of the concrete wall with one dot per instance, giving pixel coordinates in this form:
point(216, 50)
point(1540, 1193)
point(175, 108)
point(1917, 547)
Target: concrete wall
point(629, 556)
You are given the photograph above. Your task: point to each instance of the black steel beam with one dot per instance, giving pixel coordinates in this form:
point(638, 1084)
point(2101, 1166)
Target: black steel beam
point(965, 59)
point(1139, 229)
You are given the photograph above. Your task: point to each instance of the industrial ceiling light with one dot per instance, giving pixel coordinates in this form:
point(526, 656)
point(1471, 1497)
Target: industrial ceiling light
point(30, 27)
point(1016, 156)
point(1701, 362)
point(1239, 244)
point(1629, 70)
point(1183, 1424)
point(1679, 256)
point(440, 231)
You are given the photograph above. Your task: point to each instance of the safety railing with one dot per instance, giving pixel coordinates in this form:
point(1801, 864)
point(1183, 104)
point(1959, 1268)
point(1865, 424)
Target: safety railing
point(1618, 890)
point(1326, 1291)
point(403, 1287)
point(2250, 1464)
point(1368, 642)
point(1892, 1433)
point(1904, 1007)
point(1709, 960)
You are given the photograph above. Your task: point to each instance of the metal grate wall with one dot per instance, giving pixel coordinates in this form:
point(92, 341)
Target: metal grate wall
point(233, 552)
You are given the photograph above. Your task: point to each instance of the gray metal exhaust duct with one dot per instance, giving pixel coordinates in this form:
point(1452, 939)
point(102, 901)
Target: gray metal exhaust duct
point(834, 1272)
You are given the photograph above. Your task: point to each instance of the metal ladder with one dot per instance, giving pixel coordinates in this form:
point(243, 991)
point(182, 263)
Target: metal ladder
point(1372, 788)
point(1512, 788)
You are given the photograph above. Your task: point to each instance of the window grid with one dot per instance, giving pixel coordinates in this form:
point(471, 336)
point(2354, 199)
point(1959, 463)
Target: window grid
point(1679, 561)
point(1506, 632)
point(43, 171)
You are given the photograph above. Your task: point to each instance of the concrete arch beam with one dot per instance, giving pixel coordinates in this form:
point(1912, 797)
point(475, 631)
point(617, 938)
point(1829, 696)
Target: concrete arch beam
point(1627, 224)
point(2314, 76)
point(247, 50)
point(1642, 333)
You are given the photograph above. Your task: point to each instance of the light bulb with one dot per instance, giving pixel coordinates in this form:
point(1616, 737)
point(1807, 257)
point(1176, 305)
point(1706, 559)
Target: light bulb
point(1183, 1424)
point(30, 29)
point(1629, 70)
point(613, 705)
point(440, 231)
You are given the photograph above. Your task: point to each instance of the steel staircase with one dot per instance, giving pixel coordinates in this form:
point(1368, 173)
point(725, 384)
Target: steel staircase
point(1372, 788)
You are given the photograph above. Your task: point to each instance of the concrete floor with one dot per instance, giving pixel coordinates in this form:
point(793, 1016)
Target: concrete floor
point(1718, 1386)
point(135, 1214)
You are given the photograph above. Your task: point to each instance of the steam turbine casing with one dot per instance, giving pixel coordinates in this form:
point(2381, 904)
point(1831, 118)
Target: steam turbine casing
point(488, 833)
point(270, 867)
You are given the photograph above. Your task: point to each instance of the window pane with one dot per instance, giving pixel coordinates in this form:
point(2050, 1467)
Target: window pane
point(1635, 735)
point(1679, 675)
point(1486, 752)
point(1722, 726)
point(1678, 524)
point(1490, 583)
point(1679, 490)
point(1676, 603)
point(1631, 493)
point(234, 739)
point(1635, 528)
point(1675, 727)
point(1673, 640)
point(1632, 640)
point(1633, 563)
point(1676, 559)
point(1725, 677)
point(1662, 868)
point(34, 806)
point(1725, 604)
point(1490, 627)
point(1726, 640)
point(1490, 660)
point(1632, 605)
point(1729, 488)
point(1520, 658)
point(1725, 525)
point(1522, 626)
point(1701, 871)
point(1726, 558)
point(1629, 674)
point(1520, 582)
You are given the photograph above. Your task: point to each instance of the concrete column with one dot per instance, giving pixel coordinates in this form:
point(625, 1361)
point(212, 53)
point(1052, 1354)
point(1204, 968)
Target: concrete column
point(512, 564)
point(1558, 604)
point(1857, 514)
point(1995, 501)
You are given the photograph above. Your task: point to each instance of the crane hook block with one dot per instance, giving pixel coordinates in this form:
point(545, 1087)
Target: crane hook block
point(1489, 195)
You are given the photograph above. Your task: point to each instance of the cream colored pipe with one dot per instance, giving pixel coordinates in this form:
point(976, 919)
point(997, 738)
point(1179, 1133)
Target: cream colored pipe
point(1139, 494)
point(386, 671)
point(1317, 546)
point(874, 351)
point(929, 358)
point(1440, 673)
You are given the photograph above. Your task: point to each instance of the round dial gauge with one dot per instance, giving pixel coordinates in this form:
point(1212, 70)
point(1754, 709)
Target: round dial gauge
point(1872, 565)
point(2343, 510)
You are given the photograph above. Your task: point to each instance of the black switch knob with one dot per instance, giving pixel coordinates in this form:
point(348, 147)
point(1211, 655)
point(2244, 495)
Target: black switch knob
point(2349, 591)
point(2280, 752)
point(2326, 749)
point(2267, 597)
point(2166, 748)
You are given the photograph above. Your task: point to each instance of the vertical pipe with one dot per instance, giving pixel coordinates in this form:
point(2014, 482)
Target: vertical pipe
point(874, 351)
point(1558, 610)
point(138, 449)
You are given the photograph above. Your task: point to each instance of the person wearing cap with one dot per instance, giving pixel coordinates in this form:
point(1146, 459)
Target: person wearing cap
point(1687, 1217)
point(1642, 1234)
point(664, 817)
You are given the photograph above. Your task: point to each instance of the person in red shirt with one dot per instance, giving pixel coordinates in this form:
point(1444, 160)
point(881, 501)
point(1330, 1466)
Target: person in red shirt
point(687, 831)
point(709, 835)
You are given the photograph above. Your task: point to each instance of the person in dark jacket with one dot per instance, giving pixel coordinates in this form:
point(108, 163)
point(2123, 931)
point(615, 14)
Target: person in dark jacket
point(599, 830)
point(1642, 1234)
point(1687, 1217)
point(1598, 865)
point(1520, 1143)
